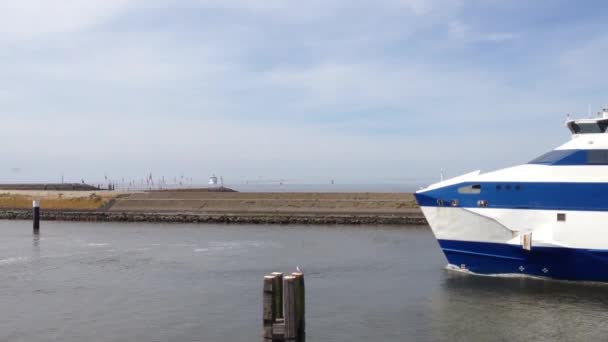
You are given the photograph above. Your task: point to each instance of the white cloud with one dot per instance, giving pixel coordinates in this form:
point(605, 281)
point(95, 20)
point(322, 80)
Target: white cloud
point(25, 19)
point(422, 7)
point(128, 59)
point(413, 89)
point(247, 5)
point(461, 31)
point(418, 7)
point(583, 63)
point(498, 37)
point(458, 29)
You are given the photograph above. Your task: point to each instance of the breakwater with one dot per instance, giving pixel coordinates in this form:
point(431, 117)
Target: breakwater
point(219, 207)
point(49, 187)
point(95, 216)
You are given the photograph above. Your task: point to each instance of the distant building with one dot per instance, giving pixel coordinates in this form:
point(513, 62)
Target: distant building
point(213, 180)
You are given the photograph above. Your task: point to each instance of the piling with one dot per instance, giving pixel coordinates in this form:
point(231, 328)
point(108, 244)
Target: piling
point(269, 303)
point(289, 307)
point(36, 205)
point(278, 294)
point(300, 304)
point(284, 307)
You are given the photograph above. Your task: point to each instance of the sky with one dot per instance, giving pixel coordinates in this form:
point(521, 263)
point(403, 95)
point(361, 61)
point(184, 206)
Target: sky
point(306, 91)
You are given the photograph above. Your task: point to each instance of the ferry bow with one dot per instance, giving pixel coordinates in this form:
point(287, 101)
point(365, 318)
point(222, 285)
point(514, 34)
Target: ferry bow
point(546, 218)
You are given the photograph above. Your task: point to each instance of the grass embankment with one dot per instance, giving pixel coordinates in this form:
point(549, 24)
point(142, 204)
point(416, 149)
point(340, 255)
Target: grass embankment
point(55, 201)
point(269, 203)
point(215, 207)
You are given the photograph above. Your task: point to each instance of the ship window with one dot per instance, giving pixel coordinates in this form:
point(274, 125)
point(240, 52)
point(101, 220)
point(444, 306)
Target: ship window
point(588, 127)
point(470, 189)
point(573, 157)
point(561, 217)
point(597, 156)
point(498, 187)
point(517, 187)
point(553, 157)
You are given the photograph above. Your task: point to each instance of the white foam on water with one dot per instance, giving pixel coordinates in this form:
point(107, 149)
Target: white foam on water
point(454, 268)
point(220, 246)
point(12, 260)
point(97, 244)
point(223, 245)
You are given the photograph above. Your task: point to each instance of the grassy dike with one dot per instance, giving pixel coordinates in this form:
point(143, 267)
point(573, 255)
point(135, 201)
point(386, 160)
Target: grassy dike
point(56, 200)
point(215, 207)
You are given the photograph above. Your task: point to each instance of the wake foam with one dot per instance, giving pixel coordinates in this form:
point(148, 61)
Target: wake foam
point(13, 260)
point(97, 244)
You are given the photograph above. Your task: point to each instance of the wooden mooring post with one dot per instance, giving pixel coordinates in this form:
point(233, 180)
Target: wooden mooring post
point(300, 302)
point(36, 206)
point(278, 295)
point(284, 302)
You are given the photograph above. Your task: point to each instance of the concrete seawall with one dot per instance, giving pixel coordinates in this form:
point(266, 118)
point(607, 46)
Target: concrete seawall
point(221, 207)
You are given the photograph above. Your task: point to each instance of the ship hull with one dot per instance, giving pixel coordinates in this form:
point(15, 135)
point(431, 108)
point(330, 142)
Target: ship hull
point(506, 259)
point(488, 241)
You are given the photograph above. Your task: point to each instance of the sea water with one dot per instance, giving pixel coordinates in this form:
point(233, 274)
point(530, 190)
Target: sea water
point(160, 282)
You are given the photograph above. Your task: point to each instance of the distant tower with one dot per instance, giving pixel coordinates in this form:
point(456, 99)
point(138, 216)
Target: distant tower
point(213, 180)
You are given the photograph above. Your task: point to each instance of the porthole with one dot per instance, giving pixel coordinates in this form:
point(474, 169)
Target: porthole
point(517, 187)
point(561, 217)
point(454, 203)
point(508, 187)
point(498, 187)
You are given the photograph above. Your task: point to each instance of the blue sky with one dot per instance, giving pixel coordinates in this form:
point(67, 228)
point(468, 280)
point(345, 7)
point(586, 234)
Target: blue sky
point(349, 90)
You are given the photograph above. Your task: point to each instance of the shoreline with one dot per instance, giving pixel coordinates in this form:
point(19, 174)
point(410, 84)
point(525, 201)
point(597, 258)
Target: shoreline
point(279, 219)
point(215, 207)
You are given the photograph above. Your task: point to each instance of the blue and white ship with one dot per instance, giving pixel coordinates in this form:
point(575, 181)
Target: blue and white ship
point(547, 218)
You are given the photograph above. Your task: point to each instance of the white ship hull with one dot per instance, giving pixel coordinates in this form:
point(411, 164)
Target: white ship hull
point(490, 241)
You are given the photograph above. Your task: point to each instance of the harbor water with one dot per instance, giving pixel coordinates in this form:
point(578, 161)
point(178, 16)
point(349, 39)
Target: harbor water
point(152, 282)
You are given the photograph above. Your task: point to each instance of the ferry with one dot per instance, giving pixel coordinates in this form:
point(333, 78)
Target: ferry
point(547, 218)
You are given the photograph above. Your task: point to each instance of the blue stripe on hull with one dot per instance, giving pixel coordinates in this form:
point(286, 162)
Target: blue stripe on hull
point(520, 195)
point(553, 262)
